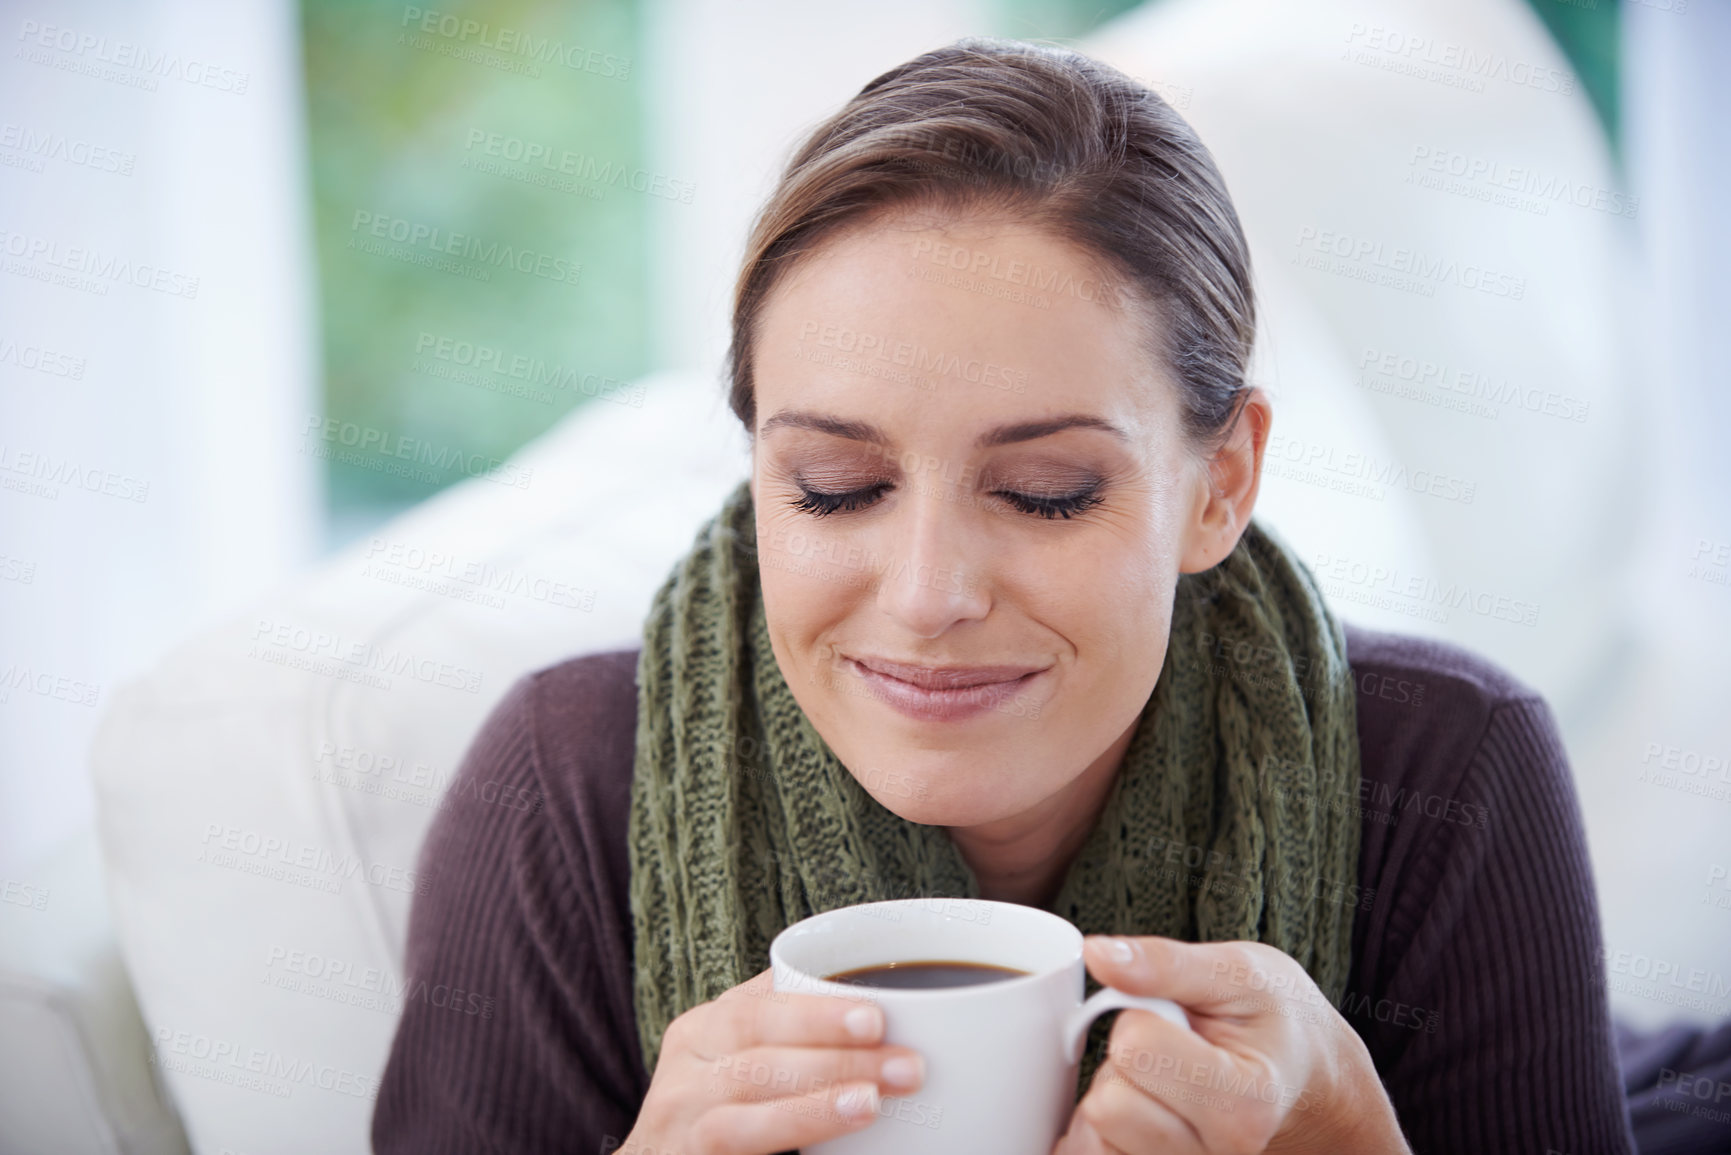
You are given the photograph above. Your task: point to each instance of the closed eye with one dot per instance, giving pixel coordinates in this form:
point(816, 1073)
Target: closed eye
point(820, 503)
point(1067, 506)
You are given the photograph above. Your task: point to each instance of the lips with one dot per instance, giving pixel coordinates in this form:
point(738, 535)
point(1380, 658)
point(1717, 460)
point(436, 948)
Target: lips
point(946, 677)
point(950, 693)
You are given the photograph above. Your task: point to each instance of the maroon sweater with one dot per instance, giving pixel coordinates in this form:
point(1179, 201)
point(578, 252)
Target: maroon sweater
point(1476, 980)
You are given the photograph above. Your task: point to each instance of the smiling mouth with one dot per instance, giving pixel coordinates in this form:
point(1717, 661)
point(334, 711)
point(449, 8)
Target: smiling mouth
point(938, 679)
point(949, 694)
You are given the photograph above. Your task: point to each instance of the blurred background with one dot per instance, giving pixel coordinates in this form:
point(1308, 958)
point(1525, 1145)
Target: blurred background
point(342, 340)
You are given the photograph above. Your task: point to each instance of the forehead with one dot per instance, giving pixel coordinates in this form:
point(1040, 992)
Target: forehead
point(967, 315)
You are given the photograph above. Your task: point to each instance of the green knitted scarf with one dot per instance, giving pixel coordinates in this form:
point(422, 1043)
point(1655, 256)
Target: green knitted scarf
point(1231, 817)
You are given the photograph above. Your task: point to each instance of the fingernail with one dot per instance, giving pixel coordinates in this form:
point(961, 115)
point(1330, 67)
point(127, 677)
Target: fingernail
point(1118, 950)
point(857, 1101)
point(864, 1023)
point(904, 1071)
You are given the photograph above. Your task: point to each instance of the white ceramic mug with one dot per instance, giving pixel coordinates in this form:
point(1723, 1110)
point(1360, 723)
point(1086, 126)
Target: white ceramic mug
point(1000, 1056)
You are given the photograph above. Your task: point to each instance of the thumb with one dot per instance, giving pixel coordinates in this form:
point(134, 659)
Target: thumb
point(1080, 1139)
point(1220, 978)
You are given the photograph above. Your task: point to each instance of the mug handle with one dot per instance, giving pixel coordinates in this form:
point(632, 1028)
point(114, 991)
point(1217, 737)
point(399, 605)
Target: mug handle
point(1111, 999)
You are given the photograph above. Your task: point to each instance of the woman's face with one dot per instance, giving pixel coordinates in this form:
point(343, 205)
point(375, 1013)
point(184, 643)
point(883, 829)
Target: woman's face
point(970, 480)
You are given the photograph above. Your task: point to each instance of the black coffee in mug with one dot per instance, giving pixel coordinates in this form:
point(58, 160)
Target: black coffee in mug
point(1000, 1054)
point(925, 974)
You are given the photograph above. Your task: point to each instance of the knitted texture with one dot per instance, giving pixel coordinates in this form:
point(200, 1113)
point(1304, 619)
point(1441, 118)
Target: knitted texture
point(1232, 817)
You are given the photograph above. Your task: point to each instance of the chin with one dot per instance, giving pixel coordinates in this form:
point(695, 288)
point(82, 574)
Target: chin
point(938, 795)
point(935, 812)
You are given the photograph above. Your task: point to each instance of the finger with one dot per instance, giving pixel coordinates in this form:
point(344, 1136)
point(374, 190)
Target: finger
point(1125, 1119)
point(752, 1014)
point(1210, 978)
point(1081, 1139)
point(749, 1128)
point(761, 986)
point(1231, 1101)
point(776, 1072)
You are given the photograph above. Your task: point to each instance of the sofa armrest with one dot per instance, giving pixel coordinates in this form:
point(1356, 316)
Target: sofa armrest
point(75, 1060)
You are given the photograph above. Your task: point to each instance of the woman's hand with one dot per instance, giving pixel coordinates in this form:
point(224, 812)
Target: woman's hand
point(1268, 1064)
point(757, 1071)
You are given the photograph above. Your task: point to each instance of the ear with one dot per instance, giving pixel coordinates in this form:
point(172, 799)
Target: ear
point(1226, 490)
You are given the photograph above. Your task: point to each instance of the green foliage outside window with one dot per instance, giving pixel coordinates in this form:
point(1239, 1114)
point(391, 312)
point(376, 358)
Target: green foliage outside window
point(480, 208)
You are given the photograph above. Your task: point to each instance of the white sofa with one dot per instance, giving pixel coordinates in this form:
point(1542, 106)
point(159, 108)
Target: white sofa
point(264, 791)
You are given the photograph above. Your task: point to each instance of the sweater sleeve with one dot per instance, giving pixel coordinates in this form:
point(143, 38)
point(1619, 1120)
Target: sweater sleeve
point(539, 1066)
point(1492, 1026)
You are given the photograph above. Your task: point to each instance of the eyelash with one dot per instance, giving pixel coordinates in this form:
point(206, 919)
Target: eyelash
point(821, 504)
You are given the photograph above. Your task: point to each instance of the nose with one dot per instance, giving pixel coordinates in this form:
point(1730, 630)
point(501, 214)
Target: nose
point(932, 582)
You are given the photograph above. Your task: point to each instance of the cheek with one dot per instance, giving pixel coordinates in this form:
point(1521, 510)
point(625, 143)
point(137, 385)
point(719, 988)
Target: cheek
point(781, 557)
point(1109, 592)
point(812, 578)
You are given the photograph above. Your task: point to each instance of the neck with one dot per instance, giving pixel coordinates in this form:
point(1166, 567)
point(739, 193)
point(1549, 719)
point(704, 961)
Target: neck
point(1023, 858)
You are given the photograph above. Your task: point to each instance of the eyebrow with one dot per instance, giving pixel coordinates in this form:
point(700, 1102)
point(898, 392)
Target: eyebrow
point(1001, 435)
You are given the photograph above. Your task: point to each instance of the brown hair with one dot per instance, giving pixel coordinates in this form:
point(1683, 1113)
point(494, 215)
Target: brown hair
point(1046, 135)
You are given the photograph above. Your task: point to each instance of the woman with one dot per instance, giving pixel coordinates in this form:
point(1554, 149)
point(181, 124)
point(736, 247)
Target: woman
point(991, 618)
